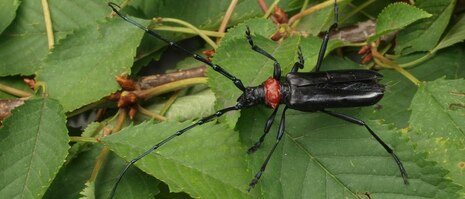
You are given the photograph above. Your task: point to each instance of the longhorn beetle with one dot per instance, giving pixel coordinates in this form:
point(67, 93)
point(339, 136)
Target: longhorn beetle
point(308, 92)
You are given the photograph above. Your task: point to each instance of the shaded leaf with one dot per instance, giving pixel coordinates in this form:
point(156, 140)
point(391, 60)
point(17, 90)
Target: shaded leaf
point(33, 145)
point(7, 13)
point(455, 35)
point(438, 124)
point(424, 34)
point(89, 191)
point(79, 67)
point(394, 107)
point(78, 171)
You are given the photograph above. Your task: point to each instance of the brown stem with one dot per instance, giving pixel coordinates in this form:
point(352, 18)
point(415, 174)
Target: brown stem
point(265, 8)
point(7, 105)
point(157, 80)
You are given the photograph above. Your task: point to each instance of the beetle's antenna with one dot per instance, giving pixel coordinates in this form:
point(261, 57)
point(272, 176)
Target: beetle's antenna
point(215, 67)
point(180, 132)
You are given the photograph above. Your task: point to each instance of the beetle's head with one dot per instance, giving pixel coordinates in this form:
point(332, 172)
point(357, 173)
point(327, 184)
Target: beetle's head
point(252, 96)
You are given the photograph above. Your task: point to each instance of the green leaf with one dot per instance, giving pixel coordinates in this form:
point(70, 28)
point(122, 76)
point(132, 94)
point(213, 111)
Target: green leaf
point(187, 107)
point(78, 171)
point(205, 162)
point(324, 157)
point(89, 191)
point(394, 107)
point(91, 56)
point(236, 56)
point(437, 124)
point(7, 13)
point(319, 21)
point(397, 16)
point(423, 35)
point(455, 35)
point(33, 146)
point(320, 156)
point(23, 46)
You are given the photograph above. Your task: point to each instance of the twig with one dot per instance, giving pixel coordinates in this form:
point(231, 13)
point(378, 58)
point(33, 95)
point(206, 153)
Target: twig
point(157, 80)
point(170, 87)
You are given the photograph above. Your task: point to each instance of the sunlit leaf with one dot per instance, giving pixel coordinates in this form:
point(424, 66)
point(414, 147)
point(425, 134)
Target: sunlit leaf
point(438, 125)
point(90, 57)
point(33, 145)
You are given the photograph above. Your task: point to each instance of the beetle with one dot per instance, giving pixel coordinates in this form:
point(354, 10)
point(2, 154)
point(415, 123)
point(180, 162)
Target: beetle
point(308, 92)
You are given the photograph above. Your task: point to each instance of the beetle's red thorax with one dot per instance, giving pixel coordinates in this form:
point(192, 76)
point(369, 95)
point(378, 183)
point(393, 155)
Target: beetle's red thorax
point(272, 92)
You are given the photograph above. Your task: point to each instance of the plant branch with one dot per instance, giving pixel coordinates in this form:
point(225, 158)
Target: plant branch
point(170, 87)
point(159, 79)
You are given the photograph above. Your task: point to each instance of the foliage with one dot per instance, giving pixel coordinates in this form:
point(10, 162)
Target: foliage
point(319, 156)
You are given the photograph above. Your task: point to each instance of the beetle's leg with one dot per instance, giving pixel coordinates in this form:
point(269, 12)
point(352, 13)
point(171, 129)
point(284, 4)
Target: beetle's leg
point(237, 82)
point(268, 124)
point(279, 136)
point(277, 66)
point(299, 64)
point(354, 120)
point(321, 54)
point(182, 131)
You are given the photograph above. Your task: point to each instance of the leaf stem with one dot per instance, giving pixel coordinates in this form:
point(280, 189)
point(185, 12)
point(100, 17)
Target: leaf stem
point(48, 24)
point(170, 87)
point(83, 139)
point(227, 17)
point(312, 10)
point(119, 120)
point(14, 91)
point(304, 6)
point(169, 102)
point(382, 61)
point(268, 12)
point(188, 30)
point(417, 61)
point(98, 163)
point(105, 151)
point(190, 26)
point(357, 9)
point(150, 114)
